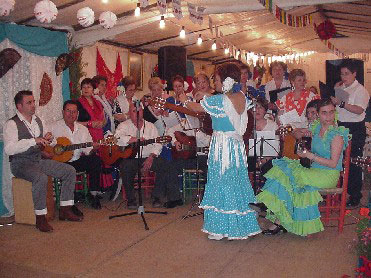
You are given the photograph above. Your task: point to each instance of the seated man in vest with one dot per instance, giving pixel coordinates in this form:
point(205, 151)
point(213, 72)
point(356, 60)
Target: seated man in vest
point(83, 159)
point(166, 179)
point(24, 137)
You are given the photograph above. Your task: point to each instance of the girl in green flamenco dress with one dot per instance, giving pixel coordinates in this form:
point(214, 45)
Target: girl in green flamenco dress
point(291, 190)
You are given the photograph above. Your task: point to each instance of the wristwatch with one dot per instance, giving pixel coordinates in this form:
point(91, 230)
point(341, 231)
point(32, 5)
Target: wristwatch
point(342, 104)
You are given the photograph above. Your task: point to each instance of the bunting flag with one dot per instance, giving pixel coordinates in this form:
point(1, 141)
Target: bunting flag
point(211, 26)
point(177, 9)
point(195, 14)
point(143, 3)
point(286, 18)
point(333, 49)
point(112, 78)
point(161, 5)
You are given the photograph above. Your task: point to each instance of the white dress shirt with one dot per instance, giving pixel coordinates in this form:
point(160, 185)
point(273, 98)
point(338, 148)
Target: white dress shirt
point(12, 145)
point(359, 96)
point(80, 134)
point(127, 129)
point(271, 85)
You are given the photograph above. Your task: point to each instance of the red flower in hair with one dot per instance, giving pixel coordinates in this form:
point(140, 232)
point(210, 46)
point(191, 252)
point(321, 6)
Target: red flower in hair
point(364, 212)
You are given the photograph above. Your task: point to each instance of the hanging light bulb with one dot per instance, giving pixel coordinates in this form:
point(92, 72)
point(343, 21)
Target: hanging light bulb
point(199, 40)
point(104, 1)
point(182, 33)
point(213, 47)
point(226, 51)
point(162, 22)
point(238, 53)
point(137, 10)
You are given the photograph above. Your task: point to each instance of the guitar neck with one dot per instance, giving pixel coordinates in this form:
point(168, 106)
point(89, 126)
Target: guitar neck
point(142, 143)
point(77, 146)
point(181, 109)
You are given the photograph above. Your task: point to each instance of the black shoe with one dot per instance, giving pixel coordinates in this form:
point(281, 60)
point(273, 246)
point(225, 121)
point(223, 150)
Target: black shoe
point(156, 203)
point(132, 204)
point(95, 202)
point(275, 231)
point(352, 204)
point(76, 211)
point(173, 204)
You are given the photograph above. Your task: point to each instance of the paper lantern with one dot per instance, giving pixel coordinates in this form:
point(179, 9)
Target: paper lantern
point(107, 19)
point(6, 6)
point(85, 16)
point(45, 11)
point(326, 30)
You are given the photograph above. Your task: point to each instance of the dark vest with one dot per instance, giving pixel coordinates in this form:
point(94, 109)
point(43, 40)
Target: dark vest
point(33, 153)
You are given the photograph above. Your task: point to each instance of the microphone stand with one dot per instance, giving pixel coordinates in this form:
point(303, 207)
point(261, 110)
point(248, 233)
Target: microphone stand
point(255, 153)
point(139, 173)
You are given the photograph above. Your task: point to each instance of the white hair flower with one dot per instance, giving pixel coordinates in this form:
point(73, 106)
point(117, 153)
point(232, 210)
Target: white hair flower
point(186, 85)
point(228, 84)
point(121, 89)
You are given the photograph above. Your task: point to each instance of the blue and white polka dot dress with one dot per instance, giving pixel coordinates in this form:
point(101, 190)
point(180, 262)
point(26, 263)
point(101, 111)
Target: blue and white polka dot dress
point(228, 190)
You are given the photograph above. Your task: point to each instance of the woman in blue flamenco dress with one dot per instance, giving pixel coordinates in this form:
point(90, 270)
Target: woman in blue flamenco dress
point(291, 190)
point(228, 190)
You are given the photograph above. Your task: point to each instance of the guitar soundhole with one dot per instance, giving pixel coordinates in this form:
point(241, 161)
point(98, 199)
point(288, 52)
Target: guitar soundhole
point(58, 149)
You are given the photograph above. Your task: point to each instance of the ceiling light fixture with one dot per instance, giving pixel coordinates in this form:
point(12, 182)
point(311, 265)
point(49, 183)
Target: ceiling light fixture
point(137, 10)
point(199, 40)
point(182, 33)
point(213, 47)
point(226, 51)
point(104, 1)
point(162, 22)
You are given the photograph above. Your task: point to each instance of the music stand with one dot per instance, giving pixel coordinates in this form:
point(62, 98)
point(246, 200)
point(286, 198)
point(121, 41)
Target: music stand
point(140, 210)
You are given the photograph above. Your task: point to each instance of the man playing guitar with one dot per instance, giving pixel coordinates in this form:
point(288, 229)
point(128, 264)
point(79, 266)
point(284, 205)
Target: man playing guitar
point(24, 137)
point(166, 180)
point(83, 159)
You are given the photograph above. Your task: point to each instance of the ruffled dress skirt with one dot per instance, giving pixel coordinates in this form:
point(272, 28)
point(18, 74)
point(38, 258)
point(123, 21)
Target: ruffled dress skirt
point(228, 193)
point(291, 195)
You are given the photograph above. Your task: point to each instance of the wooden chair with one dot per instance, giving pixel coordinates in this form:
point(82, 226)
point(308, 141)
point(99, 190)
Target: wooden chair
point(192, 181)
point(148, 183)
point(335, 198)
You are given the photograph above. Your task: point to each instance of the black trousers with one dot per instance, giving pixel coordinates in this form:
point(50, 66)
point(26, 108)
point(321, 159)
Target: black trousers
point(166, 178)
point(92, 165)
point(358, 131)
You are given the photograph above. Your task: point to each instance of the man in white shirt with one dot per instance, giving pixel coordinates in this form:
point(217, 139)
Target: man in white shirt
point(24, 137)
point(166, 181)
point(83, 159)
point(352, 116)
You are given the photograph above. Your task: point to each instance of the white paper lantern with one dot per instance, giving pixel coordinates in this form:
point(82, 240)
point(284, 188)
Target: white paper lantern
point(45, 11)
point(85, 16)
point(107, 19)
point(6, 6)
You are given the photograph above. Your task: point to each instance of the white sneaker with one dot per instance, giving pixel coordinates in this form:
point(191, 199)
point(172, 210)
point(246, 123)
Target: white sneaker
point(215, 237)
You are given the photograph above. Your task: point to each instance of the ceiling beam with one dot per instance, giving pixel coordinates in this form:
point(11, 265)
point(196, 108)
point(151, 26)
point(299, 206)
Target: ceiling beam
point(61, 7)
point(346, 19)
point(341, 12)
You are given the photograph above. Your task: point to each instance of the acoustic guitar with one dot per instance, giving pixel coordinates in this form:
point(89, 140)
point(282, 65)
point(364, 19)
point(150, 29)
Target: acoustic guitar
point(188, 147)
point(63, 150)
point(111, 153)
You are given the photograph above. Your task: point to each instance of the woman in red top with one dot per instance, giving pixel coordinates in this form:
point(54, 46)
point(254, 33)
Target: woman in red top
point(297, 99)
point(91, 113)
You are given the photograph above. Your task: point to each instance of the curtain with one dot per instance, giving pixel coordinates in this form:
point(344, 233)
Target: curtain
point(39, 49)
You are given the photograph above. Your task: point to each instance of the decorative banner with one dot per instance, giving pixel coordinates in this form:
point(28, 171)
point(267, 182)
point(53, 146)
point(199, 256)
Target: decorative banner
point(286, 18)
point(196, 14)
point(334, 50)
point(177, 9)
point(200, 17)
point(112, 78)
point(161, 5)
point(46, 90)
point(8, 58)
point(143, 3)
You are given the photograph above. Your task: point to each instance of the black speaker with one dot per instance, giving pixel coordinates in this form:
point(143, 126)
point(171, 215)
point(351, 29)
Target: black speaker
point(172, 60)
point(333, 71)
